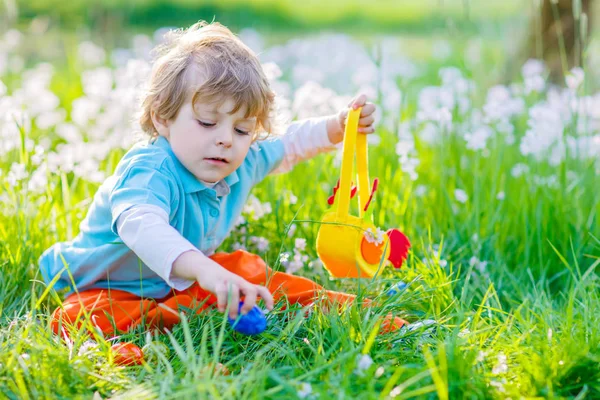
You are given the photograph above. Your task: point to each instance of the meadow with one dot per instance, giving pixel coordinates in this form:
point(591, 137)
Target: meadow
point(493, 176)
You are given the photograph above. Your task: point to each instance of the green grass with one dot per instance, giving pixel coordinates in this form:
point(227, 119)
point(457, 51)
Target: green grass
point(527, 327)
point(276, 15)
point(540, 313)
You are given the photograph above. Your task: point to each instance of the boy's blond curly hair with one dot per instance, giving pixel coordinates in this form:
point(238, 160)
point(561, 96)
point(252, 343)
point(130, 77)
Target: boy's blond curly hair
point(227, 69)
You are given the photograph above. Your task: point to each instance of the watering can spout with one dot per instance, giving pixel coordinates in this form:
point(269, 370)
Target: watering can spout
point(399, 245)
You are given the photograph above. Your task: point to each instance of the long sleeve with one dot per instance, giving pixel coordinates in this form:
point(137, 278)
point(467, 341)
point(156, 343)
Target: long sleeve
point(303, 140)
point(146, 231)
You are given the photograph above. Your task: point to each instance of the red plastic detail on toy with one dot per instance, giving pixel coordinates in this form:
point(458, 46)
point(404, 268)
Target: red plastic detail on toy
point(127, 354)
point(375, 184)
point(331, 198)
point(399, 245)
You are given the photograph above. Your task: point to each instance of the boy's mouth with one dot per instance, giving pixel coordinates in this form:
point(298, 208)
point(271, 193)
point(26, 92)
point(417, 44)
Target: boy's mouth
point(217, 160)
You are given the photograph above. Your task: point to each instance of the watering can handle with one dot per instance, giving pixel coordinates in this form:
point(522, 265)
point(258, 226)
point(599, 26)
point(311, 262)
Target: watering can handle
point(353, 142)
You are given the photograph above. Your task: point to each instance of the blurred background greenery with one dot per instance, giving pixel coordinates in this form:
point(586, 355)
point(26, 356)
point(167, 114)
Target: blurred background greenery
point(369, 16)
point(517, 29)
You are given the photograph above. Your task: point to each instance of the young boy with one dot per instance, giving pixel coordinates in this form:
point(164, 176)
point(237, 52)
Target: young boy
point(146, 246)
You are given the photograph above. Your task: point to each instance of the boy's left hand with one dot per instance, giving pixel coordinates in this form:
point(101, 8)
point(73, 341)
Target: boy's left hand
point(337, 124)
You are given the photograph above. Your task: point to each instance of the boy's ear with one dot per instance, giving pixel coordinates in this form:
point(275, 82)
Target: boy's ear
point(160, 124)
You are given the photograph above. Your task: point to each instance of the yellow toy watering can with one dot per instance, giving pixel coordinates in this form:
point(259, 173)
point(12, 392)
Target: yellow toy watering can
point(352, 246)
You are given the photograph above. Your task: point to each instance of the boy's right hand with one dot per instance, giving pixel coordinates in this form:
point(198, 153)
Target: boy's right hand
point(227, 286)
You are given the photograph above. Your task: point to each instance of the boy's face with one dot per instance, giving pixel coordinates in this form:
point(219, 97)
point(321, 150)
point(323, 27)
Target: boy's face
point(210, 142)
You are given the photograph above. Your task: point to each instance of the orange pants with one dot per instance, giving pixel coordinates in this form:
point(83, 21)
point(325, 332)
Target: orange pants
point(115, 311)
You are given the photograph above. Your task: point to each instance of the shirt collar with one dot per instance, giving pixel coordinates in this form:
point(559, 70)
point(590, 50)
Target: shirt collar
point(188, 180)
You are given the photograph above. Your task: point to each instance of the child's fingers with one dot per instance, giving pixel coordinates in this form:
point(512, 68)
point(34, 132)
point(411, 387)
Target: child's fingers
point(366, 130)
point(250, 293)
point(234, 300)
point(221, 292)
point(358, 101)
point(366, 121)
point(368, 109)
point(267, 297)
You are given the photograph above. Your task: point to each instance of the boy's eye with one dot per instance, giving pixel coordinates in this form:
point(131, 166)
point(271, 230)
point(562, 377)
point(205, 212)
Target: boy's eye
point(206, 124)
point(242, 132)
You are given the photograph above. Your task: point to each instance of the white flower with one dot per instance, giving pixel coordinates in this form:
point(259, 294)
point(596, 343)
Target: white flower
point(292, 198)
point(534, 84)
point(292, 230)
point(91, 54)
point(284, 258)
point(481, 356)
point(296, 263)
point(430, 133)
point(38, 181)
point(98, 82)
point(464, 333)
point(500, 196)
point(498, 385)
point(38, 156)
point(374, 237)
point(441, 50)
point(519, 169)
point(16, 174)
point(479, 265)
point(12, 39)
point(501, 366)
point(239, 221)
point(420, 190)
point(256, 208)
point(461, 196)
point(300, 244)
point(409, 166)
point(404, 148)
point(396, 391)
point(262, 243)
point(575, 78)
point(364, 363)
point(532, 67)
point(239, 246)
point(86, 347)
point(305, 390)
point(477, 140)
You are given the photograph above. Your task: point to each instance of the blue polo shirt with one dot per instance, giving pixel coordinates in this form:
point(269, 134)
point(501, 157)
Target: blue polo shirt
point(151, 174)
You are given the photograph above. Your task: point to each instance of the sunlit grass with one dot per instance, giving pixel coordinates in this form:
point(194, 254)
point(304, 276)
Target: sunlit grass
point(506, 276)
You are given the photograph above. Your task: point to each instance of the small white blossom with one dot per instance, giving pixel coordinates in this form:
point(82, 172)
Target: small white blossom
point(575, 78)
point(300, 244)
point(501, 366)
point(261, 243)
point(305, 390)
point(420, 190)
point(376, 237)
point(363, 363)
point(292, 230)
point(461, 196)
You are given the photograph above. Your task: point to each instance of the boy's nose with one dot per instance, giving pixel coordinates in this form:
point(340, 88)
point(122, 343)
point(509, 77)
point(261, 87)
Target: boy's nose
point(224, 138)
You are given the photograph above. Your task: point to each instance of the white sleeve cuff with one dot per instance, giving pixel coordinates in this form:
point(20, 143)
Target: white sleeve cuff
point(146, 231)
